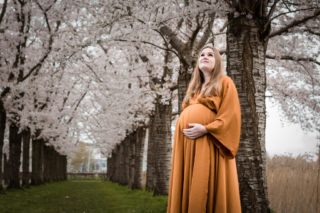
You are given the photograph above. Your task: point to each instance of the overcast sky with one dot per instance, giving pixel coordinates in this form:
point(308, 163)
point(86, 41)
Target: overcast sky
point(287, 137)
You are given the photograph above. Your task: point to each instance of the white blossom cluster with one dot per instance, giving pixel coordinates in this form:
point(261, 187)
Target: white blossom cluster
point(91, 70)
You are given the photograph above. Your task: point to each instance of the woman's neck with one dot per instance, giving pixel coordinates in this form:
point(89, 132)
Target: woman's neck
point(206, 78)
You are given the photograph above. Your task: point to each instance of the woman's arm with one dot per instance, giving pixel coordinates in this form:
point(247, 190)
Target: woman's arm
point(226, 127)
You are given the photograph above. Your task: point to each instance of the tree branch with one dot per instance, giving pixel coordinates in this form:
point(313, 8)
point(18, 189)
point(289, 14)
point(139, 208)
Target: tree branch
point(146, 42)
point(312, 32)
point(287, 57)
point(293, 24)
point(175, 42)
point(273, 7)
point(174, 87)
point(77, 106)
point(292, 11)
point(312, 78)
point(3, 11)
point(207, 32)
point(228, 2)
point(226, 24)
point(195, 32)
point(39, 64)
point(223, 52)
point(90, 68)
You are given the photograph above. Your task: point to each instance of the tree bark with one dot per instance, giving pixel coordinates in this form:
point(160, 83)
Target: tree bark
point(110, 165)
point(54, 165)
point(63, 167)
point(6, 163)
point(51, 163)
point(150, 157)
point(126, 160)
point(26, 160)
point(65, 172)
point(121, 162)
point(15, 157)
point(3, 119)
point(58, 166)
point(160, 149)
point(183, 83)
point(131, 157)
point(37, 162)
point(47, 166)
point(117, 163)
point(246, 66)
point(138, 158)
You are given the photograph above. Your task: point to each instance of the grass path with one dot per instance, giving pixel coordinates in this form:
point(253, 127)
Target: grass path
point(86, 196)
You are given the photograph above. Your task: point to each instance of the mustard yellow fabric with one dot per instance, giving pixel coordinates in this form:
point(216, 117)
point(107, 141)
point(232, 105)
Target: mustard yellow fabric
point(203, 171)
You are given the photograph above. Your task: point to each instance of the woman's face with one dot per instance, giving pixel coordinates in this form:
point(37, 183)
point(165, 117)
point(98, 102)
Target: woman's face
point(207, 60)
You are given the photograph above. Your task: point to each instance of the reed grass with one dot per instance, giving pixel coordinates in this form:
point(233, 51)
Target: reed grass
point(293, 184)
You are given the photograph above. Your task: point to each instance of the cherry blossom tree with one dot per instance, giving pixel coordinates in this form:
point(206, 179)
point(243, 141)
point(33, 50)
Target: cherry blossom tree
point(28, 31)
point(257, 28)
point(100, 71)
point(21, 23)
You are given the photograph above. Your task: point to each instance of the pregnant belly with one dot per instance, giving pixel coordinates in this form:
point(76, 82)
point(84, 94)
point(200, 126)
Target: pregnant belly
point(195, 113)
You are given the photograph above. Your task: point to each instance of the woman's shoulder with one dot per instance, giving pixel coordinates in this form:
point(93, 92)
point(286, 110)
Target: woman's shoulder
point(226, 81)
point(226, 84)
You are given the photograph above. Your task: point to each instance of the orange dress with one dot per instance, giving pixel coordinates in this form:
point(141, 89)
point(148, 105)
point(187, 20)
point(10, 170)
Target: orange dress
point(203, 171)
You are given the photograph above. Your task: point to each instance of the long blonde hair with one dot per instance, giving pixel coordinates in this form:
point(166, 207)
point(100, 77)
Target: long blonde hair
point(214, 84)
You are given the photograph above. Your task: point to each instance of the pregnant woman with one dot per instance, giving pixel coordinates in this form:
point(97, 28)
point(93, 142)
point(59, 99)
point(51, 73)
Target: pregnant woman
point(203, 171)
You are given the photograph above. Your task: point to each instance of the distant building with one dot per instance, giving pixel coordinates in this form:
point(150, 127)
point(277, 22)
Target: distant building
point(100, 161)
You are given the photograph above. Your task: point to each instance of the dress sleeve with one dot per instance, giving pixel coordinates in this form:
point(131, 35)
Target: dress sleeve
point(226, 127)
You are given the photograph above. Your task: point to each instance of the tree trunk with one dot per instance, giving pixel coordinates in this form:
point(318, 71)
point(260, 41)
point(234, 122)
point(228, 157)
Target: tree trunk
point(63, 167)
point(123, 158)
point(60, 167)
point(37, 162)
point(53, 164)
point(110, 163)
point(41, 159)
point(150, 157)
point(2, 131)
point(183, 83)
point(15, 156)
point(121, 164)
point(58, 162)
point(47, 166)
point(246, 66)
point(6, 163)
point(131, 157)
point(160, 149)
point(65, 172)
point(138, 158)
point(50, 163)
point(26, 160)
point(118, 169)
point(126, 159)
point(112, 166)
point(34, 163)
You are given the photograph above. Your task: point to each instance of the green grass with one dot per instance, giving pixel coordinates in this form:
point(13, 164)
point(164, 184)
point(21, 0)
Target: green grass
point(89, 196)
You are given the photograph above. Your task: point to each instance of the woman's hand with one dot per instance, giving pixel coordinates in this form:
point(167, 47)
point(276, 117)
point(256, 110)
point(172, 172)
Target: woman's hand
point(195, 132)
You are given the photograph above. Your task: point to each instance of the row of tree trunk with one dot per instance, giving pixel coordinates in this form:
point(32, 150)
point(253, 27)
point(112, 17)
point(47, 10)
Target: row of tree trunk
point(125, 163)
point(47, 164)
point(159, 149)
